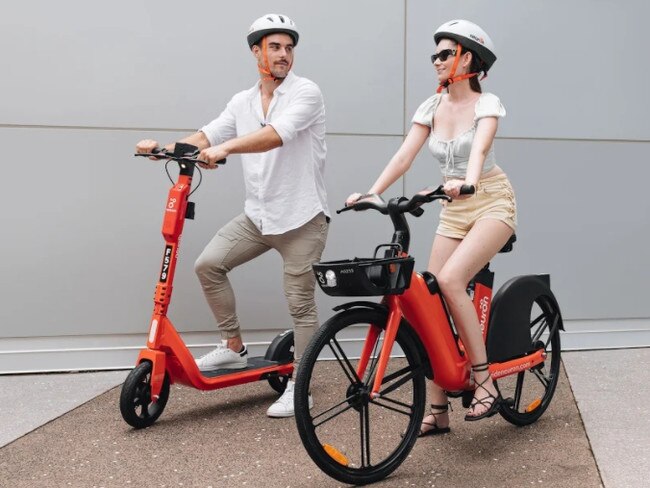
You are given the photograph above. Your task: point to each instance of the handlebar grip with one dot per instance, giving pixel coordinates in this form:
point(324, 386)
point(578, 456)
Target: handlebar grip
point(467, 190)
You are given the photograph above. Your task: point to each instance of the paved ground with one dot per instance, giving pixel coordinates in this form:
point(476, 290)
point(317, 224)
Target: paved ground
point(223, 439)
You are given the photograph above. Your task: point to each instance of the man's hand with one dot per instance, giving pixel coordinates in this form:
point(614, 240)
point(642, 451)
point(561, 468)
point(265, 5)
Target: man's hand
point(211, 155)
point(146, 146)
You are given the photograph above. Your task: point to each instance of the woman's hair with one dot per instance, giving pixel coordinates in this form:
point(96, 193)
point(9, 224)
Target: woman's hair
point(475, 67)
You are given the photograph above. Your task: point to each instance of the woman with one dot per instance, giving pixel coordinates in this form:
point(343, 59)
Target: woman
point(461, 125)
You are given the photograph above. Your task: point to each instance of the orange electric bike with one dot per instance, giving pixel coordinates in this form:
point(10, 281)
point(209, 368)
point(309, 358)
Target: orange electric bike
point(166, 359)
point(364, 423)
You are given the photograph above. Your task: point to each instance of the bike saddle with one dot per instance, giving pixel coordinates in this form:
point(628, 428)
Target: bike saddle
point(507, 247)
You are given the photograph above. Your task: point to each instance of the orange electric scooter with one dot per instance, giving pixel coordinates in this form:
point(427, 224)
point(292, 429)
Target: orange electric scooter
point(366, 424)
point(166, 359)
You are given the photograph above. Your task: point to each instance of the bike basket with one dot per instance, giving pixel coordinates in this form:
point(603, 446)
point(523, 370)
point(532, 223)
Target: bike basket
point(365, 276)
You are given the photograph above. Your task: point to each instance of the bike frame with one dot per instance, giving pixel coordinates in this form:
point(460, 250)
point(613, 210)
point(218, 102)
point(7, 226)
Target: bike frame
point(165, 349)
point(427, 314)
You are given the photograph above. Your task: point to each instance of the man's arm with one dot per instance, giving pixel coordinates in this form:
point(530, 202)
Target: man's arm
point(197, 139)
point(261, 140)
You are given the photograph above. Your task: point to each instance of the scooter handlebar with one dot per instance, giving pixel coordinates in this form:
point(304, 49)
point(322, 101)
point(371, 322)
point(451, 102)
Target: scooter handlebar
point(187, 153)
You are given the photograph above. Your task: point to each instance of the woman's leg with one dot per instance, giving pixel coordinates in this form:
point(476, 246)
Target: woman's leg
point(442, 248)
point(478, 247)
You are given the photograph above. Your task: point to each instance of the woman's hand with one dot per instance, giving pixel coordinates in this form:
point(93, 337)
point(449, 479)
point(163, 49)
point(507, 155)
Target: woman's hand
point(452, 188)
point(352, 199)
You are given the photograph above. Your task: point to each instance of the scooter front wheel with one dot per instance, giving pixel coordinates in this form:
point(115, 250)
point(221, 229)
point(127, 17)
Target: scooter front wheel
point(135, 400)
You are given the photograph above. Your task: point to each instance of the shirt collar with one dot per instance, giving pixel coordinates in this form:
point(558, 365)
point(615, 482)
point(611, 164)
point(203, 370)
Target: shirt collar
point(281, 89)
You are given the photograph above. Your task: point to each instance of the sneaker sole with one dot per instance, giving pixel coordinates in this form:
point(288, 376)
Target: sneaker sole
point(285, 415)
point(211, 369)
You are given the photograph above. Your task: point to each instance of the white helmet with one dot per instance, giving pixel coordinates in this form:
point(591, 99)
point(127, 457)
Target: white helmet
point(470, 36)
point(271, 24)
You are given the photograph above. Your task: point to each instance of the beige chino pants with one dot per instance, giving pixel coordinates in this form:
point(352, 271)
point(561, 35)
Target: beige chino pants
point(238, 242)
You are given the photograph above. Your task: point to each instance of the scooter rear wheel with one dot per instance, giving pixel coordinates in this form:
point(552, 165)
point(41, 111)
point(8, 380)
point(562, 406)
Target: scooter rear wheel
point(135, 400)
point(528, 394)
point(280, 351)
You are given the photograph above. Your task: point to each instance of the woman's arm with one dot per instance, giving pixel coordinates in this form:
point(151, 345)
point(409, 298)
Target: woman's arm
point(403, 158)
point(486, 129)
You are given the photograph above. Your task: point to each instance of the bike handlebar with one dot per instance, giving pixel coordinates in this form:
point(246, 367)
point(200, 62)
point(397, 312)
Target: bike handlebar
point(404, 204)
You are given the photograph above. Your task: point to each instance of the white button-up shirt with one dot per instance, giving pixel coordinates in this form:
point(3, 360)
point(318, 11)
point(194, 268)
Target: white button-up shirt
point(285, 187)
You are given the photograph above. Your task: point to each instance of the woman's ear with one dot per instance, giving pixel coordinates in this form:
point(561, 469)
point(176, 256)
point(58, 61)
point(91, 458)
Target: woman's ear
point(467, 59)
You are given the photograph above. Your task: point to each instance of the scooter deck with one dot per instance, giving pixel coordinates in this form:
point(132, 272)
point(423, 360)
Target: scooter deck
point(253, 363)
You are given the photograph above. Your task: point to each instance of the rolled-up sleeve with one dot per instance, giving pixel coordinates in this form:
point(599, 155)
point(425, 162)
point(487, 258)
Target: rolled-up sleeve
point(223, 128)
point(305, 109)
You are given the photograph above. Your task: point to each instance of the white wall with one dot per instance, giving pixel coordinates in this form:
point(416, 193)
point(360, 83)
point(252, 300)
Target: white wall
point(81, 217)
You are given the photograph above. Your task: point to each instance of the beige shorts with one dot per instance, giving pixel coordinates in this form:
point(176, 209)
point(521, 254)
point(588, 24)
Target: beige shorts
point(494, 199)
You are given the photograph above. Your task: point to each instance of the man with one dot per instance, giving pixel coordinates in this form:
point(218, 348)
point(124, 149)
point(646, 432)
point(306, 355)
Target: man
point(278, 126)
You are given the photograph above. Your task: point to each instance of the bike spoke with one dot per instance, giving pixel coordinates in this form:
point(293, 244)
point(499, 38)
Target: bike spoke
point(373, 365)
point(364, 425)
point(542, 379)
point(556, 323)
point(408, 377)
point(343, 360)
point(518, 389)
point(379, 403)
point(540, 330)
point(347, 400)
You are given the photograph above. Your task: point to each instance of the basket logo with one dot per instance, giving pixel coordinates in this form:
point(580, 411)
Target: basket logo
point(330, 277)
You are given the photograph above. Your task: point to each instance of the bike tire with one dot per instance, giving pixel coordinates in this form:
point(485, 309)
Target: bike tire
point(393, 420)
point(528, 394)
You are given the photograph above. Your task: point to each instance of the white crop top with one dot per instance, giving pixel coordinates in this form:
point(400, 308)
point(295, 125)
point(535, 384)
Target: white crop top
point(453, 155)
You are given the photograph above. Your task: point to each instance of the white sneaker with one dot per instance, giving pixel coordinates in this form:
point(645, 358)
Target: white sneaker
point(223, 357)
point(283, 407)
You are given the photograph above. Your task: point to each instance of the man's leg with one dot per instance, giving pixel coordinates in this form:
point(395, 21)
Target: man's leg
point(300, 248)
point(237, 242)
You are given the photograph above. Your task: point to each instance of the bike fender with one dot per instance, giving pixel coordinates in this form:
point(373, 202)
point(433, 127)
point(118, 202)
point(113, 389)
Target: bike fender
point(362, 304)
point(509, 329)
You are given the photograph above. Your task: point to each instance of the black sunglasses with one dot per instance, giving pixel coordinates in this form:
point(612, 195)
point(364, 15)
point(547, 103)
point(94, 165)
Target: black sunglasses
point(443, 55)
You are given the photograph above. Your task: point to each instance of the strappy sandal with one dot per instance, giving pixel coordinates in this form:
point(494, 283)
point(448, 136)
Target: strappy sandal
point(494, 402)
point(435, 430)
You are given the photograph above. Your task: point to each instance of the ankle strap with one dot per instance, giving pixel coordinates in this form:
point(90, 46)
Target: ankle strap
point(477, 368)
point(442, 408)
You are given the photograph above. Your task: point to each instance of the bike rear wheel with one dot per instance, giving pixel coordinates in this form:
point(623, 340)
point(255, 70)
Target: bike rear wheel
point(350, 436)
point(528, 394)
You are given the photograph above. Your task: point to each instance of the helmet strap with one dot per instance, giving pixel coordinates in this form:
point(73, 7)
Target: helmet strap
point(454, 67)
point(264, 67)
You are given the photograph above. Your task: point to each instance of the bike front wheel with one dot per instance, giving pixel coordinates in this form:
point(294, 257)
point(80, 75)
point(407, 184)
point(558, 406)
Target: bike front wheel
point(352, 437)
